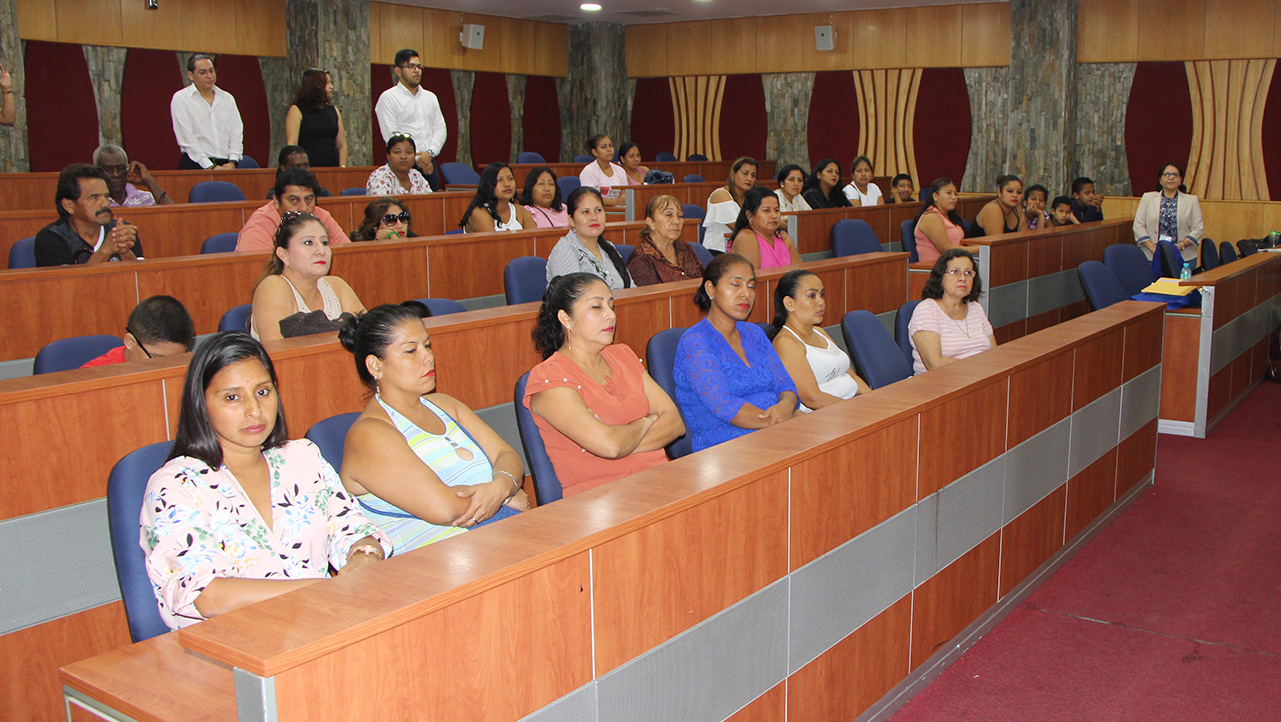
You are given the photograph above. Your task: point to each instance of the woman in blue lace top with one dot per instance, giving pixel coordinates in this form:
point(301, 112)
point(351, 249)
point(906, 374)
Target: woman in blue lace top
point(729, 379)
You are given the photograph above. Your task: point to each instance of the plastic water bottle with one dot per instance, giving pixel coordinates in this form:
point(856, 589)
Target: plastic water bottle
point(1186, 272)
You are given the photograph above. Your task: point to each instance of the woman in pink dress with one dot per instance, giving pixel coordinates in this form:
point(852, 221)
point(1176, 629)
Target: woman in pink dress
point(756, 234)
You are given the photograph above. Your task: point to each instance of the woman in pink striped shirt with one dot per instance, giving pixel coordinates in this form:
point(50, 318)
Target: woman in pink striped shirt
point(949, 324)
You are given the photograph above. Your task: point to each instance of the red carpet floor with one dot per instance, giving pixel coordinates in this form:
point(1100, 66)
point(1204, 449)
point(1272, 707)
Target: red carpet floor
point(1173, 612)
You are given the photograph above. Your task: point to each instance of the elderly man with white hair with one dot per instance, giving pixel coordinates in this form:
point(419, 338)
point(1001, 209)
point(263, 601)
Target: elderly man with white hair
point(122, 175)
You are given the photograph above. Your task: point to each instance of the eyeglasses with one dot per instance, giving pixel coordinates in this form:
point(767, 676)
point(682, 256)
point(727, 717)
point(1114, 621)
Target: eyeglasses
point(1169, 175)
point(138, 339)
point(391, 218)
point(412, 66)
point(962, 272)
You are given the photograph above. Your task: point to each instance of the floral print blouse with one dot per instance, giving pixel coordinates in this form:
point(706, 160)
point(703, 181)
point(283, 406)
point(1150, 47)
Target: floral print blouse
point(199, 525)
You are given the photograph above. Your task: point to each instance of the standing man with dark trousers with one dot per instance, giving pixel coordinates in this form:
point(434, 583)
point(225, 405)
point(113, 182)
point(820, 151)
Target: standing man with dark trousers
point(409, 109)
point(206, 121)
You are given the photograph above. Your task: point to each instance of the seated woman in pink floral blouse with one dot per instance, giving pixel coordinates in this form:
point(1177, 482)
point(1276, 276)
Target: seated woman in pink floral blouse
point(238, 513)
point(399, 176)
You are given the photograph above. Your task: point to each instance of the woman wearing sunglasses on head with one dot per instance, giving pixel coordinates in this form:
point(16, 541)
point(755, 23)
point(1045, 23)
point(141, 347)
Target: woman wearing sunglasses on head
point(949, 324)
point(385, 218)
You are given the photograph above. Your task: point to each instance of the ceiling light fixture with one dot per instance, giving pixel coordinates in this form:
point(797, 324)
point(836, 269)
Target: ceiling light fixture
point(590, 6)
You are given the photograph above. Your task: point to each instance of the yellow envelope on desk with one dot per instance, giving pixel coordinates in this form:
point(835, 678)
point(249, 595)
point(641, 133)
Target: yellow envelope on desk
point(1169, 287)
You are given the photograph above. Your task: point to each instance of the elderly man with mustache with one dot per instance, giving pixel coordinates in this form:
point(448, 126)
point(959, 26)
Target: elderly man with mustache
point(86, 230)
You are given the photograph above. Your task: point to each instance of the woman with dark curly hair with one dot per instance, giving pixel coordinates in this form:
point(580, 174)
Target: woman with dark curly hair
point(385, 218)
point(314, 123)
point(598, 411)
point(949, 324)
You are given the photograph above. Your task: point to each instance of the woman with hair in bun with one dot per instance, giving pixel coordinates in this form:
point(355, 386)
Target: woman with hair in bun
point(297, 278)
point(821, 370)
point(422, 465)
point(598, 411)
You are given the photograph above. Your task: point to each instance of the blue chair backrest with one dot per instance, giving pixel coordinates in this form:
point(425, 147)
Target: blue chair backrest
point(853, 236)
point(247, 162)
point(625, 251)
point(72, 353)
point(237, 319)
point(696, 156)
point(1101, 287)
point(568, 184)
point(453, 231)
point(1130, 265)
point(23, 253)
point(665, 158)
point(901, 336)
point(355, 191)
point(530, 157)
point(875, 356)
point(1227, 253)
point(458, 174)
point(442, 306)
point(126, 489)
point(1171, 259)
point(1209, 255)
point(691, 210)
point(220, 243)
point(330, 434)
point(215, 192)
point(660, 355)
point(704, 255)
point(525, 279)
point(580, 158)
point(907, 232)
point(693, 178)
point(546, 485)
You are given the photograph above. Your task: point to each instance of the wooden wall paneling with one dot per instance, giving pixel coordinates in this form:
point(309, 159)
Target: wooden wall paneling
point(207, 290)
point(210, 25)
point(1089, 493)
point(553, 50)
point(1044, 256)
point(299, 376)
point(1107, 31)
point(777, 43)
point(874, 288)
point(934, 36)
point(697, 105)
point(880, 39)
point(38, 425)
point(1010, 331)
point(975, 445)
point(91, 22)
point(1098, 367)
point(43, 312)
point(1239, 28)
point(769, 707)
point(647, 50)
point(1225, 302)
point(518, 51)
point(1171, 29)
point(509, 353)
point(694, 55)
point(401, 26)
point(639, 319)
point(1040, 396)
point(474, 268)
point(172, 231)
point(1276, 39)
point(173, 402)
point(1220, 392)
point(1009, 262)
point(1136, 457)
point(1240, 375)
point(1031, 538)
point(489, 58)
point(1201, 92)
point(376, 56)
point(439, 38)
point(841, 57)
point(37, 19)
point(985, 34)
point(1179, 361)
point(733, 45)
point(1143, 345)
point(1250, 153)
point(1223, 128)
point(260, 25)
point(652, 584)
point(502, 676)
point(857, 671)
point(143, 28)
point(949, 601)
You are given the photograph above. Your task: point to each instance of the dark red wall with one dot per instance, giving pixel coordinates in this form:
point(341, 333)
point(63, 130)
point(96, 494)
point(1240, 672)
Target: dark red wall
point(653, 120)
point(941, 128)
point(436, 80)
point(541, 122)
point(744, 125)
point(833, 123)
point(241, 76)
point(1158, 122)
point(491, 122)
point(62, 118)
point(151, 79)
point(1272, 138)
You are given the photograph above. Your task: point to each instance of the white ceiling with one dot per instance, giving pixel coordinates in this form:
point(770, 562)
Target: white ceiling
point(661, 11)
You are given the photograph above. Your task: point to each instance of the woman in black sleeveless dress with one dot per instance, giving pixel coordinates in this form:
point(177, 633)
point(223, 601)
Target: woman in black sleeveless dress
point(315, 124)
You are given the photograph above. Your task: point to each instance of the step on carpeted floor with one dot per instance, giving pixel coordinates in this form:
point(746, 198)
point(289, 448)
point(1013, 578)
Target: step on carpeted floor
point(1173, 612)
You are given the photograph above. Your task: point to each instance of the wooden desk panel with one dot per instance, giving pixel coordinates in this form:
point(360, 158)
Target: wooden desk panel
point(710, 170)
point(814, 229)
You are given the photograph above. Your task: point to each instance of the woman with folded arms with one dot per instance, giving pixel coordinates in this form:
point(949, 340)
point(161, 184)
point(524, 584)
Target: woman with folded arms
point(1003, 214)
point(602, 173)
point(422, 465)
point(398, 176)
point(385, 219)
point(599, 413)
point(239, 513)
point(1170, 213)
point(542, 199)
point(629, 156)
point(661, 256)
point(492, 208)
point(861, 190)
point(297, 278)
point(820, 369)
point(949, 324)
point(939, 227)
point(724, 203)
point(584, 249)
point(729, 379)
point(756, 233)
point(823, 189)
point(791, 180)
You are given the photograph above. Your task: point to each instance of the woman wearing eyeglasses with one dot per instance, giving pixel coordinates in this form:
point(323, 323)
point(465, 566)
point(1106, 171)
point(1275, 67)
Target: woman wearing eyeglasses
point(1170, 213)
point(949, 324)
point(386, 218)
point(399, 175)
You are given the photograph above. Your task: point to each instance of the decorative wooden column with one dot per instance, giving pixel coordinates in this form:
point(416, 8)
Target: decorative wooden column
point(887, 109)
point(13, 139)
point(592, 99)
point(787, 112)
point(333, 35)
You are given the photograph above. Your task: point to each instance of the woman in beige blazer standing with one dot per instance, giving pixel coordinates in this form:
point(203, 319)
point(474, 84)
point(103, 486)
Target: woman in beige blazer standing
point(1170, 214)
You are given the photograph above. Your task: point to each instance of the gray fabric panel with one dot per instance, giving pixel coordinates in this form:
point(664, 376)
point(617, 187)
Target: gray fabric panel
point(1007, 304)
point(255, 697)
point(816, 256)
point(1037, 467)
point(1223, 344)
point(968, 511)
point(887, 319)
point(708, 672)
point(480, 302)
point(16, 369)
point(502, 419)
point(1056, 290)
point(72, 572)
point(927, 532)
point(577, 706)
point(894, 247)
point(1095, 430)
point(1140, 400)
point(845, 588)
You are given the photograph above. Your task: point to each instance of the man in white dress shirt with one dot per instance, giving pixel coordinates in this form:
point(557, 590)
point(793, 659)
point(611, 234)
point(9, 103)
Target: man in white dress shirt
point(206, 121)
point(409, 109)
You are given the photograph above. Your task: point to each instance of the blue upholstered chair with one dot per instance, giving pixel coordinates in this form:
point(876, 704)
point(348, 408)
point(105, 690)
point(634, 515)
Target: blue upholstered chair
point(1227, 253)
point(907, 233)
point(693, 178)
point(1209, 255)
point(625, 251)
point(547, 486)
point(696, 156)
point(852, 236)
point(215, 192)
point(126, 489)
point(660, 355)
point(353, 191)
point(876, 358)
point(704, 255)
point(247, 163)
point(330, 434)
point(580, 158)
point(458, 174)
point(72, 353)
point(691, 210)
point(442, 306)
point(220, 243)
point(901, 336)
point(1101, 287)
point(665, 158)
point(1171, 259)
point(23, 253)
point(236, 319)
point(568, 184)
point(525, 279)
point(1130, 265)
point(530, 157)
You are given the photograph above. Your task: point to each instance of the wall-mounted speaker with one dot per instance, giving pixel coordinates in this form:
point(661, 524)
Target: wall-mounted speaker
point(824, 38)
point(472, 37)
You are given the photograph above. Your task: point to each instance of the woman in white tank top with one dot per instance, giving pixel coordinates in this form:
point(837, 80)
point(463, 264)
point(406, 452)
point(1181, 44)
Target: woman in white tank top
point(492, 208)
point(298, 280)
point(820, 369)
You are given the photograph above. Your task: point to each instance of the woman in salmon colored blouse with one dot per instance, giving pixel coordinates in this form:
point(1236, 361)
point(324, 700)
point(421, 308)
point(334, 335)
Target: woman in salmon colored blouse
point(599, 413)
